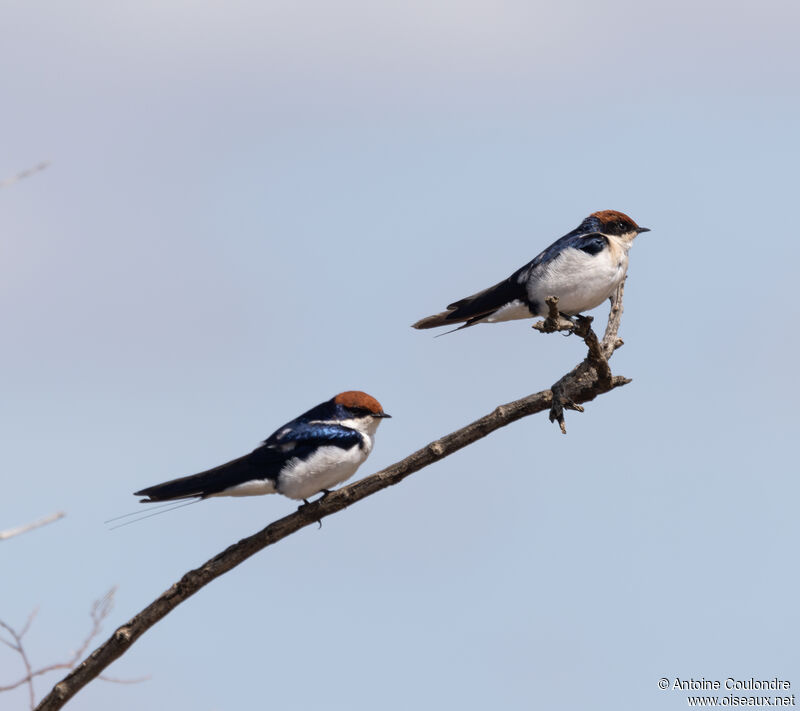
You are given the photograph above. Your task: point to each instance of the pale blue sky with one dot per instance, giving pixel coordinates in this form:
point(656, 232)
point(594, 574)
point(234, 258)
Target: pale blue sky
point(249, 203)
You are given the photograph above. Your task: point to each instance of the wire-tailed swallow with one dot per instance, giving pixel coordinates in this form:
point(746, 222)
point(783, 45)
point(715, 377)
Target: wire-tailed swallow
point(582, 269)
point(312, 453)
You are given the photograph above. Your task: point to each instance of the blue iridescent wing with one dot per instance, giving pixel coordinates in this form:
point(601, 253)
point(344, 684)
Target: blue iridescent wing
point(299, 439)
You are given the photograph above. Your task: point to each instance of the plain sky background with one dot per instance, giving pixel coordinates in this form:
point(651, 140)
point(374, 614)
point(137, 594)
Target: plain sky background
point(249, 203)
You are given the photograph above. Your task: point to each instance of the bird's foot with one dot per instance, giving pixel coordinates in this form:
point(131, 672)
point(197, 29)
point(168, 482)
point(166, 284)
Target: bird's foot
point(306, 503)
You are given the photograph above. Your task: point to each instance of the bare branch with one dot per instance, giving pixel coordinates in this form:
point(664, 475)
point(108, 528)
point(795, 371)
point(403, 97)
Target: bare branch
point(555, 320)
point(587, 380)
point(98, 613)
point(19, 648)
point(11, 532)
point(595, 366)
point(115, 680)
point(24, 174)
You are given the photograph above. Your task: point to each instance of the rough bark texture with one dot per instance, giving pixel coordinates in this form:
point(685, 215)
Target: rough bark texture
point(590, 378)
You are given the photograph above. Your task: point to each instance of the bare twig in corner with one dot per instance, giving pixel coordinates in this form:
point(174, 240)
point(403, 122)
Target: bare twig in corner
point(17, 646)
point(98, 613)
point(583, 383)
point(11, 532)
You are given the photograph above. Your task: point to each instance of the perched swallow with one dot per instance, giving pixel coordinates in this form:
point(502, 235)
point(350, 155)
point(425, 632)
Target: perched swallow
point(582, 269)
point(320, 449)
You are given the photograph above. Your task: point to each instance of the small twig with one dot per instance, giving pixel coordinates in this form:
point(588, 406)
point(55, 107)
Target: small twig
point(19, 648)
point(24, 174)
point(583, 328)
point(11, 532)
point(610, 341)
point(555, 321)
point(115, 680)
point(99, 612)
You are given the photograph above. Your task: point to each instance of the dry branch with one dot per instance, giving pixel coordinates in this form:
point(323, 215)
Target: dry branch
point(98, 613)
point(24, 174)
point(590, 378)
point(11, 532)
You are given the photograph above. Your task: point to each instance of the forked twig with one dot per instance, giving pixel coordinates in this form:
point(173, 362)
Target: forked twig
point(99, 612)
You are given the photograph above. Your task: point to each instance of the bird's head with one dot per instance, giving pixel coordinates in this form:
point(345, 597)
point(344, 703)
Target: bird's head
point(615, 224)
point(357, 405)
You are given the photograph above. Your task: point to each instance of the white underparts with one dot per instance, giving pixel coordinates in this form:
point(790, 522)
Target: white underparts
point(255, 487)
point(324, 469)
point(512, 310)
point(580, 280)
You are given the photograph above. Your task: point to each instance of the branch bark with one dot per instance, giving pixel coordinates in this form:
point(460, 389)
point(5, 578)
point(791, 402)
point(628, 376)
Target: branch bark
point(590, 378)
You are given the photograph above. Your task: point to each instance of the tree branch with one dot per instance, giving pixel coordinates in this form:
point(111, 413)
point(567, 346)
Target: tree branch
point(19, 648)
point(590, 378)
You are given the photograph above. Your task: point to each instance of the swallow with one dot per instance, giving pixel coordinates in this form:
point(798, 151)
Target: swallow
point(314, 452)
point(582, 269)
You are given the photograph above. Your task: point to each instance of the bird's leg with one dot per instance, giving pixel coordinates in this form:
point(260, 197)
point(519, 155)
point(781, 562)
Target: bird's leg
point(306, 502)
point(324, 496)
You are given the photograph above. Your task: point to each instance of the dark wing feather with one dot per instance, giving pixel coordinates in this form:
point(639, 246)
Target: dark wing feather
point(215, 480)
point(475, 307)
point(265, 462)
point(591, 242)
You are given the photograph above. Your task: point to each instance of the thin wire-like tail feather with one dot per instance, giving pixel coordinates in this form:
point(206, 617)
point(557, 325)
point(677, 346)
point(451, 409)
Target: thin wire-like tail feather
point(162, 510)
point(139, 511)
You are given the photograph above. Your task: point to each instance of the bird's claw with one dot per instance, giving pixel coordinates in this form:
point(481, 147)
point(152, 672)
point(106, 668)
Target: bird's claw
point(306, 502)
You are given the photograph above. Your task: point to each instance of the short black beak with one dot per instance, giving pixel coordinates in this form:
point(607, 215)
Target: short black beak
point(382, 414)
point(642, 229)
